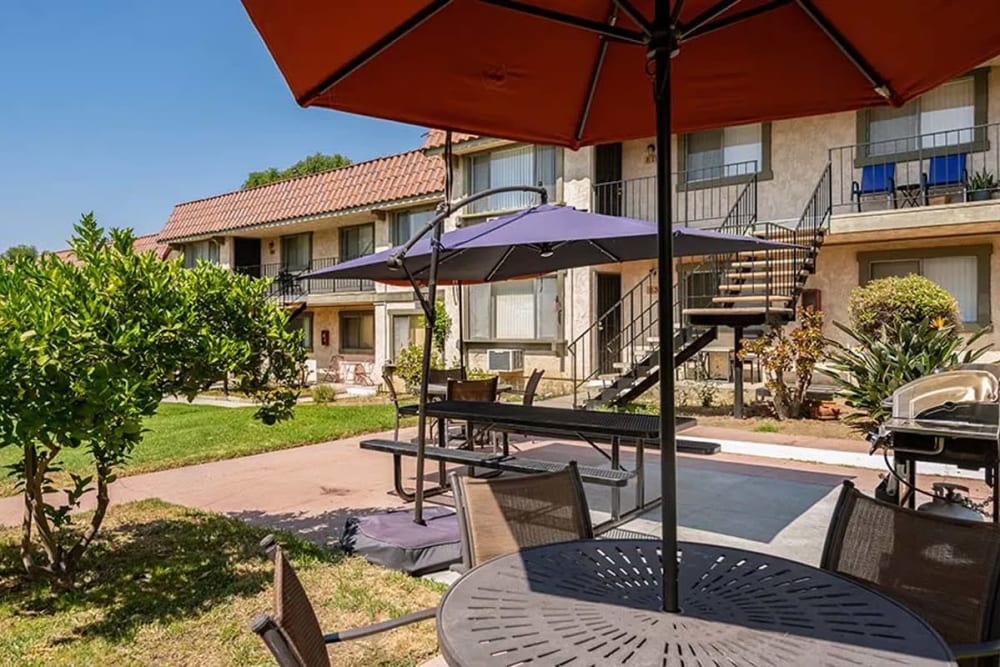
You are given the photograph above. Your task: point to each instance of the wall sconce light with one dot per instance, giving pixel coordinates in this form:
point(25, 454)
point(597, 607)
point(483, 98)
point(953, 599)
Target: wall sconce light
point(270, 247)
point(650, 153)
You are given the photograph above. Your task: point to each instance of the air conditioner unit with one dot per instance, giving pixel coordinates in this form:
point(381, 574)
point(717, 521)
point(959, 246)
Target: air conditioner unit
point(504, 360)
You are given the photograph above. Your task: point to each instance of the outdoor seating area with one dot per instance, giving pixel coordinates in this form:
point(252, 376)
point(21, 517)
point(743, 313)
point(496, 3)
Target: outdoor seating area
point(648, 333)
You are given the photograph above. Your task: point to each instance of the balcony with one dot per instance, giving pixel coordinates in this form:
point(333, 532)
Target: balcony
point(703, 197)
point(288, 285)
point(897, 176)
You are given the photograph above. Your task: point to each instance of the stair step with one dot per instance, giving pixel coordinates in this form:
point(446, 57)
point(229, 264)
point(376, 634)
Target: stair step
point(774, 298)
point(749, 274)
point(737, 311)
point(757, 263)
point(745, 287)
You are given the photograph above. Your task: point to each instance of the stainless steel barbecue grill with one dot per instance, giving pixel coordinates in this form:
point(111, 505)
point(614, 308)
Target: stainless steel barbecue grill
point(951, 417)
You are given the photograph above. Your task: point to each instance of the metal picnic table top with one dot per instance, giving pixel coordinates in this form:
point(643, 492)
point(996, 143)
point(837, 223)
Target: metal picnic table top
point(540, 419)
point(597, 602)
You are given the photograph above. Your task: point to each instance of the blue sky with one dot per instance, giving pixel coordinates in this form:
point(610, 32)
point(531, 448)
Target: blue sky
point(128, 107)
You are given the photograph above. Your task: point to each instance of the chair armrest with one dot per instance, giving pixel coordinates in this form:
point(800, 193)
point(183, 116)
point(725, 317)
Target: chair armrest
point(375, 628)
point(980, 650)
point(855, 189)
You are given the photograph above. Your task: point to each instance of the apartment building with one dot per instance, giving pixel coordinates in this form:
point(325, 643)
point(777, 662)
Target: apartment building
point(871, 193)
point(283, 230)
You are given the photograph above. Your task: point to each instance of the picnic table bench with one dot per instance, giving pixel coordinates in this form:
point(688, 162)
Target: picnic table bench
point(484, 459)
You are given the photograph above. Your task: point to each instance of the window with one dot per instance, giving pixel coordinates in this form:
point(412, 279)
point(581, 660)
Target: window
point(303, 323)
point(357, 241)
point(943, 118)
point(963, 272)
point(514, 310)
point(729, 153)
point(406, 331)
point(408, 223)
point(296, 252)
point(517, 165)
point(357, 331)
point(201, 251)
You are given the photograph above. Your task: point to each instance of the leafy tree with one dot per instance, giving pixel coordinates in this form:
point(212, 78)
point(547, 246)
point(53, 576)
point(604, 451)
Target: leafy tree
point(89, 349)
point(312, 164)
point(19, 251)
point(789, 356)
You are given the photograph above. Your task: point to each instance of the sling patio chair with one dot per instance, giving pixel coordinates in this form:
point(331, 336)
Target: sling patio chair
point(946, 570)
point(876, 179)
point(484, 391)
point(496, 517)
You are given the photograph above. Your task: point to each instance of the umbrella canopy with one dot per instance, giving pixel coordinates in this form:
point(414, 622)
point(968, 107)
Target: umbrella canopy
point(581, 72)
point(477, 66)
point(536, 241)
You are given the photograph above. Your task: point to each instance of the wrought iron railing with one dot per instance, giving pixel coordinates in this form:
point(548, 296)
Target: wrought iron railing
point(920, 170)
point(704, 197)
point(287, 283)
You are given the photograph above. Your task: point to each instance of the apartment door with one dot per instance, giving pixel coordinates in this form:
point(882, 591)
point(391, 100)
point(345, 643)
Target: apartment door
point(608, 179)
point(609, 293)
point(246, 256)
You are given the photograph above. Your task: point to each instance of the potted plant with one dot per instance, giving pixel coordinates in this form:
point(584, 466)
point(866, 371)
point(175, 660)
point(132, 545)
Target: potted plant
point(981, 185)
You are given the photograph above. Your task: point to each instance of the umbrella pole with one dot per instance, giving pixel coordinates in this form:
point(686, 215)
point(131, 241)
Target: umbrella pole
point(461, 331)
point(429, 317)
point(661, 47)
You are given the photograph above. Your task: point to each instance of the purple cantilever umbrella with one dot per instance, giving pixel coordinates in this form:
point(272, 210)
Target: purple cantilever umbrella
point(533, 242)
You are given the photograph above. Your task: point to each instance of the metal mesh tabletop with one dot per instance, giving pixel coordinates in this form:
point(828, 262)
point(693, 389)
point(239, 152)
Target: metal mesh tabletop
point(535, 418)
point(597, 603)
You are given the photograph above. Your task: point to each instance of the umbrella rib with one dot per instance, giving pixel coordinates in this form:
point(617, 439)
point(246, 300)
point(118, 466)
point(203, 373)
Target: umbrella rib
point(676, 15)
point(734, 19)
point(496, 267)
point(712, 12)
point(604, 251)
point(630, 11)
point(595, 75)
point(878, 84)
point(611, 32)
point(372, 52)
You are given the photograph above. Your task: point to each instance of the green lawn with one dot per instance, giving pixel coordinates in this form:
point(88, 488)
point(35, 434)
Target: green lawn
point(165, 585)
point(181, 434)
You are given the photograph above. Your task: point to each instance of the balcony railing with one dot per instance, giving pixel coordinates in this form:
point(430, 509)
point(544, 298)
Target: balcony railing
point(921, 170)
point(703, 197)
point(288, 283)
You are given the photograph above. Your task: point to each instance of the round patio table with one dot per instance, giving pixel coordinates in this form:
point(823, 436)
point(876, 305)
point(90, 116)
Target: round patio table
point(597, 602)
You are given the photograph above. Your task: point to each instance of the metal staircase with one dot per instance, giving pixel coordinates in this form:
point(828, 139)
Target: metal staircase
point(617, 358)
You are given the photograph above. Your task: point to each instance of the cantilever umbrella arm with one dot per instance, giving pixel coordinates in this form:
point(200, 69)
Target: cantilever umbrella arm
point(396, 260)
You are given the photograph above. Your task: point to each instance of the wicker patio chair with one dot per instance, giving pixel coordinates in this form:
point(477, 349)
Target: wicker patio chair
point(946, 570)
point(502, 516)
point(471, 390)
point(293, 634)
point(496, 517)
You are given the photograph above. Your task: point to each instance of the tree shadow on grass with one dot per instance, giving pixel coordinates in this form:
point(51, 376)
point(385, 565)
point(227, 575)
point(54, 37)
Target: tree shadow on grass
point(169, 565)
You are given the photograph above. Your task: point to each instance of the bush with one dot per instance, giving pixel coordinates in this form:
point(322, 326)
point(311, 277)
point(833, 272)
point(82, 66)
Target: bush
point(442, 326)
point(881, 306)
point(795, 354)
point(324, 393)
point(870, 371)
point(478, 374)
point(409, 365)
point(707, 394)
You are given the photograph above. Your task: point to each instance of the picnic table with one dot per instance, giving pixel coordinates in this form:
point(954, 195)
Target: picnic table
point(597, 602)
point(593, 427)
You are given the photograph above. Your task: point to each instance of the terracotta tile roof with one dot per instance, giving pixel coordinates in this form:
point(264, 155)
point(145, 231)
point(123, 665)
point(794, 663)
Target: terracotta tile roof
point(383, 179)
point(435, 138)
point(149, 242)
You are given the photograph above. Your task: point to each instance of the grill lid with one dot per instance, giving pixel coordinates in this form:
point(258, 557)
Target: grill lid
point(964, 402)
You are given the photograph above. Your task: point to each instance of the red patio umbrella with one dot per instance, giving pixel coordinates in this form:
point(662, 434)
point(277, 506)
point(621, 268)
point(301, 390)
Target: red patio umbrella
point(582, 72)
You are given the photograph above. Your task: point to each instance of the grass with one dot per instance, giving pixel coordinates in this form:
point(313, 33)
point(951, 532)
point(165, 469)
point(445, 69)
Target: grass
point(766, 427)
point(165, 585)
point(181, 434)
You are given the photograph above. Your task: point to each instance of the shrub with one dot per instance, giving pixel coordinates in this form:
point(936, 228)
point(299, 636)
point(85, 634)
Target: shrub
point(478, 374)
point(881, 306)
point(409, 365)
point(88, 349)
point(707, 393)
point(874, 367)
point(794, 354)
point(324, 393)
point(766, 427)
